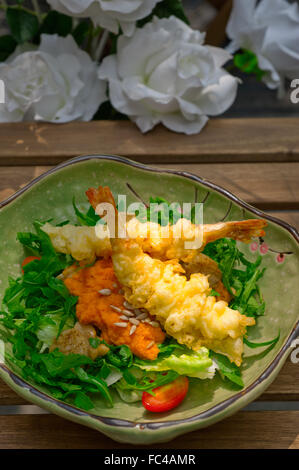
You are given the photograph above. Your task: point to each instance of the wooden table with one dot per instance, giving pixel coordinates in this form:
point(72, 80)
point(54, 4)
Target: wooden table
point(258, 160)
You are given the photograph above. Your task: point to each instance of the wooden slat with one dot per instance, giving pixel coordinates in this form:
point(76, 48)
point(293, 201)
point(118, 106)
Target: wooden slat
point(266, 186)
point(216, 32)
point(222, 140)
point(284, 388)
point(269, 187)
point(291, 217)
point(245, 430)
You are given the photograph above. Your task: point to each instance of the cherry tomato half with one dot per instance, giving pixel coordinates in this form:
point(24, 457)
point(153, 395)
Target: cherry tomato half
point(28, 260)
point(167, 396)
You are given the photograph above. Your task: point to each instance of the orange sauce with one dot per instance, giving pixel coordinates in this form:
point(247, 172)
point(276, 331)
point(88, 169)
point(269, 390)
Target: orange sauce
point(95, 309)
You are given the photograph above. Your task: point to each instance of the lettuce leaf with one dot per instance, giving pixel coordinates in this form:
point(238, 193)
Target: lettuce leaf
point(191, 363)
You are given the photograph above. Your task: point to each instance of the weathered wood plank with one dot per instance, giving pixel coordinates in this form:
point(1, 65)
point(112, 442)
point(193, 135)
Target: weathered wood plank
point(291, 217)
point(266, 186)
point(216, 33)
point(269, 187)
point(245, 430)
point(222, 140)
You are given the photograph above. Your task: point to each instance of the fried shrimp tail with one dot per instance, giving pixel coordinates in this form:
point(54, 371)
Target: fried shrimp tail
point(184, 307)
point(242, 231)
point(164, 243)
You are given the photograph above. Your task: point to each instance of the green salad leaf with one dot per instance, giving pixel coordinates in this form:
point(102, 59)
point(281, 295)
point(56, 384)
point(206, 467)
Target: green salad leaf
point(239, 276)
point(187, 362)
point(90, 218)
point(227, 369)
point(270, 343)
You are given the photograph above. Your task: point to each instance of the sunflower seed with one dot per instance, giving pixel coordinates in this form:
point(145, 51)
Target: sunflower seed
point(123, 317)
point(105, 291)
point(141, 316)
point(128, 313)
point(137, 311)
point(133, 329)
point(121, 324)
point(154, 324)
point(147, 320)
point(127, 305)
point(134, 321)
point(121, 291)
point(116, 308)
point(150, 344)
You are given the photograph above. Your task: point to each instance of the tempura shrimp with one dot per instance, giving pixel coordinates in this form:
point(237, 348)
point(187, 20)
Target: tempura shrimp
point(183, 307)
point(170, 242)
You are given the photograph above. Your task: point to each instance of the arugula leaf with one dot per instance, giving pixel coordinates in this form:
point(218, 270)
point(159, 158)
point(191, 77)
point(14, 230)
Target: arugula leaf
point(270, 343)
point(119, 356)
point(94, 342)
point(214, 293)
point(146, 382)
point(241, 282)
point(98, 383)
point(58, 363)
point(89, 219)
point(163, 212)
point(228, 369)
point(30, 241)
point(83, 401)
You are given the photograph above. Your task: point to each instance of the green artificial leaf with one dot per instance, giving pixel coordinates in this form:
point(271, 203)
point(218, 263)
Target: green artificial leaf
point(165, 9)
point(56, 23)
point(80, 32)
point(7, 46)
point(247, 62)
point(106, 110)
point(23, 25)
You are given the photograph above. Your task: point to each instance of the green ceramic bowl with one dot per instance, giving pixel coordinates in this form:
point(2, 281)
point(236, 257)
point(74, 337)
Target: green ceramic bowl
point(208, 401)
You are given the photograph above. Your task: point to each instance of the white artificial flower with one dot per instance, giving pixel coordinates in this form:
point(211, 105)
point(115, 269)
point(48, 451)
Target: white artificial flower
point(164, 73)
point(55, 82)
point(110, 14)
point(270, 29)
